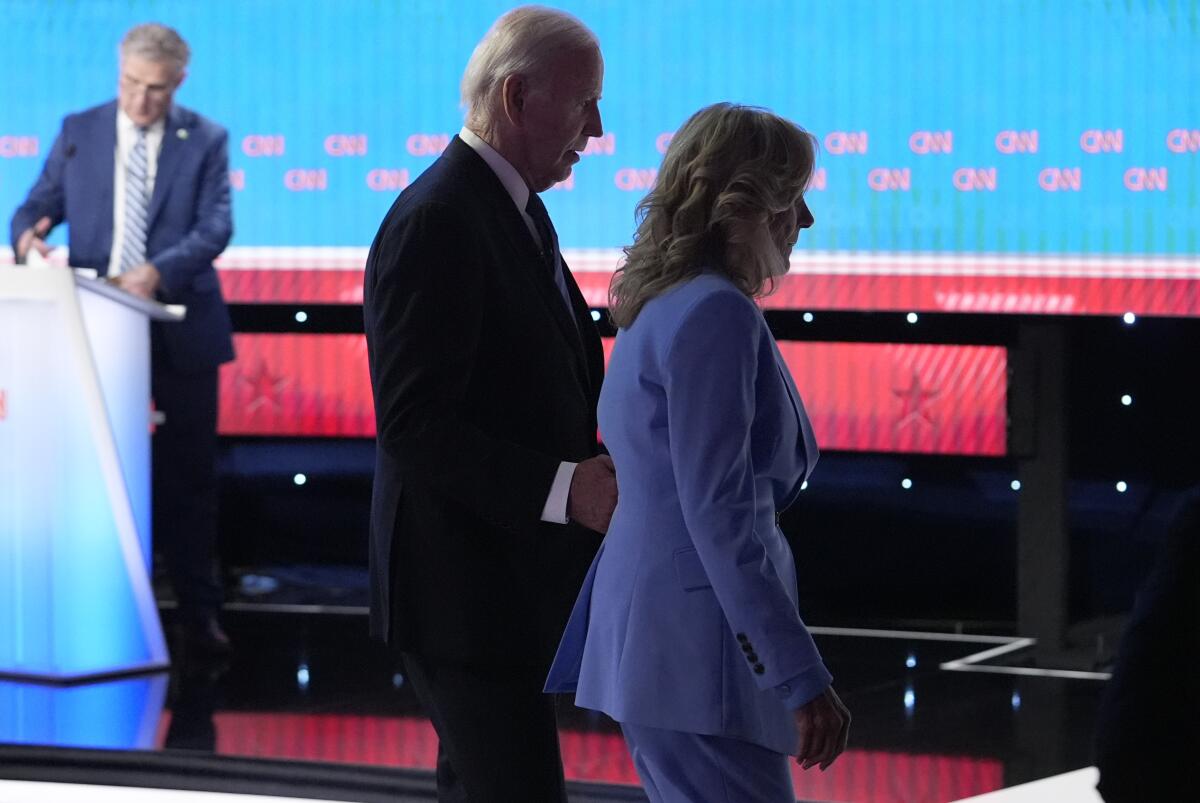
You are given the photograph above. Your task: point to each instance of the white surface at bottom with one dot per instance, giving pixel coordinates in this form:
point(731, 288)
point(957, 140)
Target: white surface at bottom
point(39, 792)
point(1072, 787)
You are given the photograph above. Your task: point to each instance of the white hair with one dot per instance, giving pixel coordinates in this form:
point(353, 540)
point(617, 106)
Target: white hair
point(524, 41)
point(158, 43)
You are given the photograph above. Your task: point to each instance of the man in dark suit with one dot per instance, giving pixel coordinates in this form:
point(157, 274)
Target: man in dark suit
point(486, 366)
point(143, 185)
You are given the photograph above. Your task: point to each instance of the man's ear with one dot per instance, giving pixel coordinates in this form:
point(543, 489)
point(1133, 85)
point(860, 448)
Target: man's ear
point(513, 93)
point(179, 80)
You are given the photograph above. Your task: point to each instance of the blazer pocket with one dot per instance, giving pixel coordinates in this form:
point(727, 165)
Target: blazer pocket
point(690, 570)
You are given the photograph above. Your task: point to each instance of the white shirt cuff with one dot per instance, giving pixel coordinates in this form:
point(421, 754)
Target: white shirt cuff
point(555, 509)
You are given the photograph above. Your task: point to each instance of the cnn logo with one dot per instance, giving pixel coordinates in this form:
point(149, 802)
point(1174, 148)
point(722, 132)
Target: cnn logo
point(1095, 140)
point(1181, 140)
point(1060, 179)
point(304, 180)
point(18, 147)
point(923, 142)
point(383, 179)
point(346, 144)
point(971, 179)
point(1013, 141)
point(1146, 179)
point(427, 144)
point(890, 179)
point(630, 179)
point(843, 142)
point(256, 145)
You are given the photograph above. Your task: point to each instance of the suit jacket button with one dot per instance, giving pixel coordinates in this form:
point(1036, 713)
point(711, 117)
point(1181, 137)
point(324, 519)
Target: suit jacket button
point(752, 658)
point(747, 648)
point(759, 669)
point(742, 638)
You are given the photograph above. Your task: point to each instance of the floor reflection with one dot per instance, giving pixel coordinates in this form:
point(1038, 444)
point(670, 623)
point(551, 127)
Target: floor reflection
point(314, 688)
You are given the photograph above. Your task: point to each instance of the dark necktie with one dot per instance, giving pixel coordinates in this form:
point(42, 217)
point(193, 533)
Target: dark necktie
point(545, 229)
point(549, 247)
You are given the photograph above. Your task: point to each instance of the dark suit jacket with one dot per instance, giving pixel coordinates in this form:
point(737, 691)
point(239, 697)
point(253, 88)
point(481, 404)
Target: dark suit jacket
point(189, 220)
point(1145, 740)
point(483, 383)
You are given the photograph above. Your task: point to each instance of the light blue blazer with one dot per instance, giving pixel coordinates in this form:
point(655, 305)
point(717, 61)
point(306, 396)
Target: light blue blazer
point(687, 619)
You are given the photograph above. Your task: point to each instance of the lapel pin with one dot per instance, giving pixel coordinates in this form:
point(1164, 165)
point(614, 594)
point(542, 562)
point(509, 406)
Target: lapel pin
point(181, 133)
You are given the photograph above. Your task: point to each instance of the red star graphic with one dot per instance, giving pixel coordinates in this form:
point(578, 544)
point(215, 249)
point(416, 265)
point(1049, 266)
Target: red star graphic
point(266, 387)
point(916, 401)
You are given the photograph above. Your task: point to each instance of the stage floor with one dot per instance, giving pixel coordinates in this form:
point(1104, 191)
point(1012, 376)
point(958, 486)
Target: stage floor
point(311, 687)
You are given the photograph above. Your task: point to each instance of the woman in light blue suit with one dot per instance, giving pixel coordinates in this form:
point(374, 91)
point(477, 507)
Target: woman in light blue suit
point(686, 631)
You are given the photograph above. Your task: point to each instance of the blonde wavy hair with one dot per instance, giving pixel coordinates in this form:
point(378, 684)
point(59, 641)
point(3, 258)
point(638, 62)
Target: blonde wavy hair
point(729, 176)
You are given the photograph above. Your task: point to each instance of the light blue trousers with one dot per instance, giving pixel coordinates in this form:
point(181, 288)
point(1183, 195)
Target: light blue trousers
point(677, 767)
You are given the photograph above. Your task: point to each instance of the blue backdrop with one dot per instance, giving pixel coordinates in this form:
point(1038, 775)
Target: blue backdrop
point(1110, 88)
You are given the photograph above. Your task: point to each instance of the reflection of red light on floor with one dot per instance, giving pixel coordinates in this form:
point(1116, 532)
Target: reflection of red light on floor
point(859, 776)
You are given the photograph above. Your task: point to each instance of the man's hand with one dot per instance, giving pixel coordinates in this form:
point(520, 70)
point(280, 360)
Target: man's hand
point(33, 238)
point(593, 493)
point(824, 725)
point(141, 280)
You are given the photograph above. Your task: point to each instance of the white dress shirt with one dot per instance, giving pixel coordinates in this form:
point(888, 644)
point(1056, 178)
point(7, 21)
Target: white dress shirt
point(126, 139)
point(555, 509)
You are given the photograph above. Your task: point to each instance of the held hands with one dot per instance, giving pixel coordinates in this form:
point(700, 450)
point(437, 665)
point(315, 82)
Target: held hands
point(141, 281)
point(33, 238)
point(593, 493)
point(824, 725)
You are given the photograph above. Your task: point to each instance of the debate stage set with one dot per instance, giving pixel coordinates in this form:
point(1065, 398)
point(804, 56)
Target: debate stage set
point(991, 323)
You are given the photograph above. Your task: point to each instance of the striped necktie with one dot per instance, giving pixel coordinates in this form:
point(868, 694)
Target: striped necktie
point(133, 238)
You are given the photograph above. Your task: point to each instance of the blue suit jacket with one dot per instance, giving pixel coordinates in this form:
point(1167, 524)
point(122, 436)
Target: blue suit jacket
point(687, 619)
point(189, 221)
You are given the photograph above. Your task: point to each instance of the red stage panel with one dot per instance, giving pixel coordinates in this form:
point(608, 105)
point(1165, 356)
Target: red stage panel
point(885, 397)
point(861, 396)
point(1016, 284)
point(858, 776)
point(297, 385)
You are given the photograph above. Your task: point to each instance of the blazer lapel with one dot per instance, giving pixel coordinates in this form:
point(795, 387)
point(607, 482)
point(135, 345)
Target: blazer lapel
point(100, 158)
point(174, 142)
point(805, 426)
point(589, 348)
point(525, 250)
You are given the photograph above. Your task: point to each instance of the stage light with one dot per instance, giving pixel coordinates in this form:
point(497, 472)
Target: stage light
point(906, 483)
point(1122, 487)
point(804, 485)
point(1129, 318)
point(596, 315)
point(1015, 485)
point(808, 317)
point(1126, 400)
point(299, 479)
point(301, 316)
point(910, 661)
point(302, 677)
point(910, 700)
point(397, 680)
point(911, 317)
point(1016, 700)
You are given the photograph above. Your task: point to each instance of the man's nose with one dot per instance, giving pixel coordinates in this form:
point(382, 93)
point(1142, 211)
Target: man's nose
point(805, 218)
point(594, 127)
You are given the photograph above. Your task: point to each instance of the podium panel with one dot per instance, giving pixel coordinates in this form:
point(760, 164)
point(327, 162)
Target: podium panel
point(75, 542)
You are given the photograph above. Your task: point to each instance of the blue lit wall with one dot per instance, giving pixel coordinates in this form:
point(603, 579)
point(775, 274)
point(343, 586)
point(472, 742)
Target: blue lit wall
point(304, 70)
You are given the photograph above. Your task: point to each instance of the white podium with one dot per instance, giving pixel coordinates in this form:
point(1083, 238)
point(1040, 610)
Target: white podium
point(75, 595)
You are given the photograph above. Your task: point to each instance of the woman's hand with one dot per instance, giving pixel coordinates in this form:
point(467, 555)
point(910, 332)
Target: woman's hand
point(824, 726)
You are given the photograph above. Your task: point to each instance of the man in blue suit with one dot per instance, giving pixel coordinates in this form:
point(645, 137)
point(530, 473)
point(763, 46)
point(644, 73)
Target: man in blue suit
point(143, 185)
